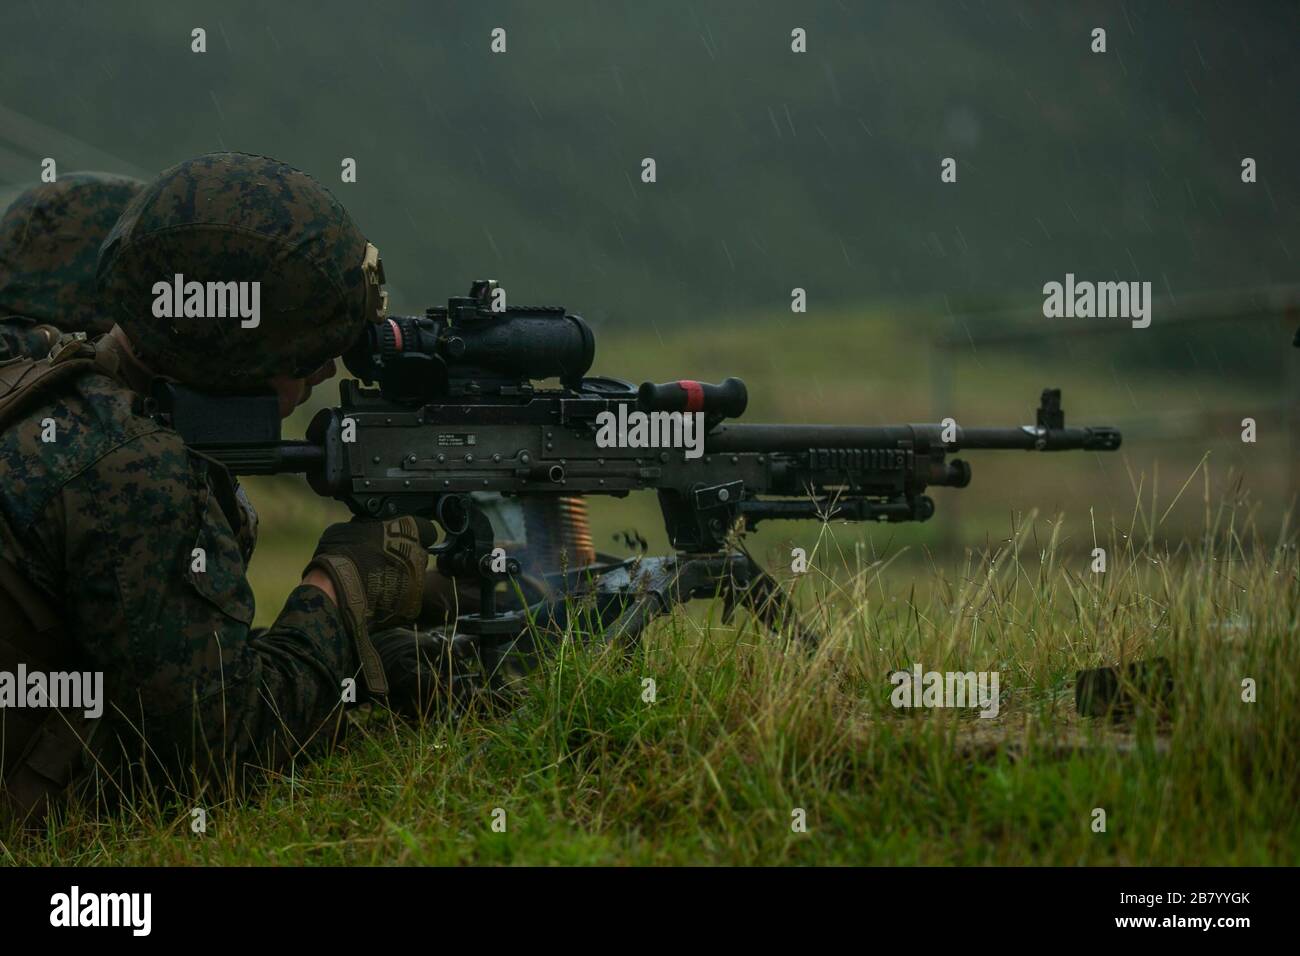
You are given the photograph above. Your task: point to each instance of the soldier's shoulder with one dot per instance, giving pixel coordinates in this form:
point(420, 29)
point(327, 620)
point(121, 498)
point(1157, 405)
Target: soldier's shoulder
point(90, 421)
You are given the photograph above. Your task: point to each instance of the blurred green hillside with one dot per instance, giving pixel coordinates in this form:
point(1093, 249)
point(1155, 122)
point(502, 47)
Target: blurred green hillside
point(775, 169)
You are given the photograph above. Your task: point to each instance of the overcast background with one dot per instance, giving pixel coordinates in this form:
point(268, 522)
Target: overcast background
point(774, 169)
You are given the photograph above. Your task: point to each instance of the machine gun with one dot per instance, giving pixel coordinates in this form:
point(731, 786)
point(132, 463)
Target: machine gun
point(462, 405)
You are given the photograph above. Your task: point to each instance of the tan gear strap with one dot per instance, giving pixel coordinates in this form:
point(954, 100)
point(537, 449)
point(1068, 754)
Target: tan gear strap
point(351, 594)
point(25, 382)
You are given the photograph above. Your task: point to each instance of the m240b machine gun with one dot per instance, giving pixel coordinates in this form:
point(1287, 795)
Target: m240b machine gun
point(461, 404)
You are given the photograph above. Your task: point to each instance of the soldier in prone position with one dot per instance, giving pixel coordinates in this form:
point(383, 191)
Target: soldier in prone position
point(120, 547)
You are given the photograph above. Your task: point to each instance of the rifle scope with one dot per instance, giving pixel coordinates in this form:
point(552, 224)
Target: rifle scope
point(474, 345)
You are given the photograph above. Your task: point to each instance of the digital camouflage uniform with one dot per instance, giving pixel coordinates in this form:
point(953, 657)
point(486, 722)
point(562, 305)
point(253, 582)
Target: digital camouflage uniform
point(49, 244)
point(49, 248)
point(103, 522)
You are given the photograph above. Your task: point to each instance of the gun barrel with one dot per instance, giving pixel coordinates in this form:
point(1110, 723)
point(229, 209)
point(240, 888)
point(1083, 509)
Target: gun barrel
point(794, 438)
point(1037, 438)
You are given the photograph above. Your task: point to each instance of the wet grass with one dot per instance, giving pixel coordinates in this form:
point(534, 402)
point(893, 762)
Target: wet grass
point(744, 736)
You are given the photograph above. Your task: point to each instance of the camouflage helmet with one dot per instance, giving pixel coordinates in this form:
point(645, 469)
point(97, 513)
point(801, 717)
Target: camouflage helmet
point(49, 243)
point(220, 221)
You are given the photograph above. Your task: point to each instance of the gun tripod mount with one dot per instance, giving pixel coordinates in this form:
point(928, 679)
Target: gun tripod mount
point(470, 551)
point(614, 600)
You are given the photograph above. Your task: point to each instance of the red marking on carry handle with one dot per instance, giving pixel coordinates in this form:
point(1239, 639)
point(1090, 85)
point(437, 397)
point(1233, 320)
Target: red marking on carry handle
point(694, 395)
point(397, 335)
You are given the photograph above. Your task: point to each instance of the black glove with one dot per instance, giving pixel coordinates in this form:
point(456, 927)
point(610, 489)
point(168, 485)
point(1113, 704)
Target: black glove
point(424, 676)
point(377, 569)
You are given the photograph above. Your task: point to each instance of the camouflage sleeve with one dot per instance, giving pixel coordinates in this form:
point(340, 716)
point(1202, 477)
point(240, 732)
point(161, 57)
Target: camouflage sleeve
point(161, 603)
point(21, 337)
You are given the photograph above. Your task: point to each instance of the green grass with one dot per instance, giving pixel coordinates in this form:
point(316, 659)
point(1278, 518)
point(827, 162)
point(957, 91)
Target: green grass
point(743, 732)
